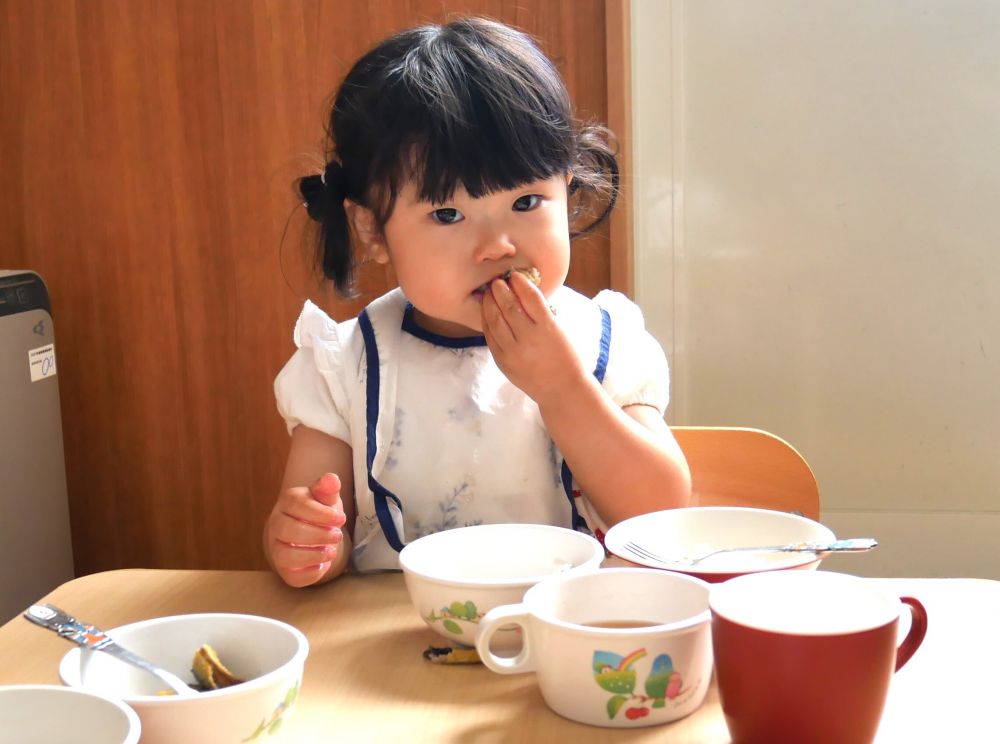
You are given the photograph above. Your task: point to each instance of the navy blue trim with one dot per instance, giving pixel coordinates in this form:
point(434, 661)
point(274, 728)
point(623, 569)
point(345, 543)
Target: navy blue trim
point(578, 522)
point(463, 342)
point(381, 493)
point(602, 356)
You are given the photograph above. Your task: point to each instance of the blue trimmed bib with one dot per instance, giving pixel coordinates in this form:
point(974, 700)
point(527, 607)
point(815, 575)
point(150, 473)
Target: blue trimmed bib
point(467, 446)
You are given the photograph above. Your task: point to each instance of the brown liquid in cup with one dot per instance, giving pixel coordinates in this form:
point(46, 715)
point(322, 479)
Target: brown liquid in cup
point(621, 624)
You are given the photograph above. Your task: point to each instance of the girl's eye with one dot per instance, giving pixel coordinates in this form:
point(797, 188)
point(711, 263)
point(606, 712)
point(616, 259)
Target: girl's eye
point(527, 202)
point(447, 216)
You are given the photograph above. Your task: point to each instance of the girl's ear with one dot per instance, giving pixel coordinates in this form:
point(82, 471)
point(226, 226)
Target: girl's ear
point(365, 227)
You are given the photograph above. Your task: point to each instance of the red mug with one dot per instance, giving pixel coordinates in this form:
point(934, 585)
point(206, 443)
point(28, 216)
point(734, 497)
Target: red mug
point(807, 656)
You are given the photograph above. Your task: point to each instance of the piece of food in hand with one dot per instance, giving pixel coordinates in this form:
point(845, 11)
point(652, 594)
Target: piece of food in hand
point(533, 275)
point(210, 672)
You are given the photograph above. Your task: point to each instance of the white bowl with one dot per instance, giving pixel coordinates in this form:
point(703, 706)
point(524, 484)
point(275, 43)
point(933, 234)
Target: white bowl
point(50, 714)
point(267, 653)
point(456, 576)
point(674, 533)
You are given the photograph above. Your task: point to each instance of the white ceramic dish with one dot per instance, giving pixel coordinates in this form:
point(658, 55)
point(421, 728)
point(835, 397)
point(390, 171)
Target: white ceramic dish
point(269, 654)
point(673, 534)
point(50, 714)
point(457, 576)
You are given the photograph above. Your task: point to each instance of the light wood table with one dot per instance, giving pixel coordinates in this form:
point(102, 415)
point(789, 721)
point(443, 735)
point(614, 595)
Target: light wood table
point(365, 678)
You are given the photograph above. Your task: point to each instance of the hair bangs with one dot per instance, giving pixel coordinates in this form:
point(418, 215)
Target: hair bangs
point(500, 156)
point(466, 115)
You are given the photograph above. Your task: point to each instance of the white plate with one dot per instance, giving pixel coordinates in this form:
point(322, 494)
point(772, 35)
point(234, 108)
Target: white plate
point(673, 534)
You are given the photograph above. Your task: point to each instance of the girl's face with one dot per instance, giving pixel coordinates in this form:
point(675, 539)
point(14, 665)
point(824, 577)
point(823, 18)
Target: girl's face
point(444, 255)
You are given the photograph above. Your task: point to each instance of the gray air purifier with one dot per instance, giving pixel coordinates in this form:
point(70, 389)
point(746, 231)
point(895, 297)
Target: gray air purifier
point(36, 554)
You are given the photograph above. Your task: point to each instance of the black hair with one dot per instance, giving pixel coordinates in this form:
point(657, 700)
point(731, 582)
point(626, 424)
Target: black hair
point(473, 102)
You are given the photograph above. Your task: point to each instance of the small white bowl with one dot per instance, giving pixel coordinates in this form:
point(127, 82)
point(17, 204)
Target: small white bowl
point(456, 576)
point(697, 530)
point(50, 714)
point(269, 654)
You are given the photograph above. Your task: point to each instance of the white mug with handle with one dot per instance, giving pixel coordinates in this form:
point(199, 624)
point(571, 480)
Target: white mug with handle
point(618, 647)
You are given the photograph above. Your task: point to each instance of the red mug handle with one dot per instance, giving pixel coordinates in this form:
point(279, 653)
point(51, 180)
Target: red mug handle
point(915, 635)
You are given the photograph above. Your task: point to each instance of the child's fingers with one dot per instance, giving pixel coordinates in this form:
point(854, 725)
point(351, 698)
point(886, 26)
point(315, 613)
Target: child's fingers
point(298, 557)
point(529, 297)
point(511, 316)
point(305, 531)
point(296, 532)
point(298, 550)
point(303, 567)
point(495, 326)
point(299, 504)
point(507, 302)
point(304, 577)
point(327, 489)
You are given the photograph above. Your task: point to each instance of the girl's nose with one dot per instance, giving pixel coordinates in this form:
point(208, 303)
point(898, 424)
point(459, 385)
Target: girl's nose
point(493, 246)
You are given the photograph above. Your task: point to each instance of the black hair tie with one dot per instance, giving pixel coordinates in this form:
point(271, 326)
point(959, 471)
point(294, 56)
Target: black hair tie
point(315, 190)
point(333, 179)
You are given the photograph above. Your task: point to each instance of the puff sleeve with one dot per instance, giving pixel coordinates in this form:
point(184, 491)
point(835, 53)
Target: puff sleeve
point(637, 373)
point(310, 388)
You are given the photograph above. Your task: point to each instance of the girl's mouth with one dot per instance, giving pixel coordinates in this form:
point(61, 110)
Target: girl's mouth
point(531, 273)
point(480, 291)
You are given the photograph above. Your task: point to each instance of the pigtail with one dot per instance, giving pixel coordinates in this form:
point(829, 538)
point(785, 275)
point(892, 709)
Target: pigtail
point(596, 181)
point(324, 199)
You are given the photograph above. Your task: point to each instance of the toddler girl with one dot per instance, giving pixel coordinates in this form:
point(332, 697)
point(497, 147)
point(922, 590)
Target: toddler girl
point(469, 394)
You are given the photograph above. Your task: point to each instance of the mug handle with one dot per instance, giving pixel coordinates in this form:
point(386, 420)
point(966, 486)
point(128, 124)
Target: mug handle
point(498, 617)
point(915, 635)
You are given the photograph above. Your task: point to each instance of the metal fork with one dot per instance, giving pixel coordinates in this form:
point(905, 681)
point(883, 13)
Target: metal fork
point(853, 545)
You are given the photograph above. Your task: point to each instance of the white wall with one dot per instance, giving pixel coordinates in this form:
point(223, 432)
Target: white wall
point(818, 248)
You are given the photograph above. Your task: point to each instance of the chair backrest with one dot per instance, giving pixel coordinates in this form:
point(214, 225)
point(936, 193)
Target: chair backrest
point(747, 467)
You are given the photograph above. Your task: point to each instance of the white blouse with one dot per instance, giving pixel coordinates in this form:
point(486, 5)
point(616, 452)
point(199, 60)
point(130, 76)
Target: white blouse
point(455, 442)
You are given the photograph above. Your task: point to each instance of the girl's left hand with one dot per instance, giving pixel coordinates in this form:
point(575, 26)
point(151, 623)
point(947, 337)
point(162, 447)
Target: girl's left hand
point(527, 342)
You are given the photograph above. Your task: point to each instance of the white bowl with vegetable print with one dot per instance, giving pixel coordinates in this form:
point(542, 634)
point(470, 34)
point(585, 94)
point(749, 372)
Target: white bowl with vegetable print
point(268, 654)
point(456, 576)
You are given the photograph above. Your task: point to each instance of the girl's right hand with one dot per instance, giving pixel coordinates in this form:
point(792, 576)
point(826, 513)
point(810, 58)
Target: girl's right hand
point(529, 345)
point(304, 531)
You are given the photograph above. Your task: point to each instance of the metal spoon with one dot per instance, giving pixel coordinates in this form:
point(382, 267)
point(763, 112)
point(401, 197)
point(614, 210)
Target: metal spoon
point(94, 639)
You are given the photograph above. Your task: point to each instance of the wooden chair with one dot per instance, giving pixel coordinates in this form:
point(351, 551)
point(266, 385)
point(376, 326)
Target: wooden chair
point(747, 467)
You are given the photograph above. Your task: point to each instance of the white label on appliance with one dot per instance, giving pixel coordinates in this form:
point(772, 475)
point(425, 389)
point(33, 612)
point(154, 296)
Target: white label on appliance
point(42, 362)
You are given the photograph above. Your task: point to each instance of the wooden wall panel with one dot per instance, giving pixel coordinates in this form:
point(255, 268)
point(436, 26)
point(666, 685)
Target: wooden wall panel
point(148, 149)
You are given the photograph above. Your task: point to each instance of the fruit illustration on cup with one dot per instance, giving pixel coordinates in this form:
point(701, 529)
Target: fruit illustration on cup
point(615, 673)
point(635, 713)
point(674, 686)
